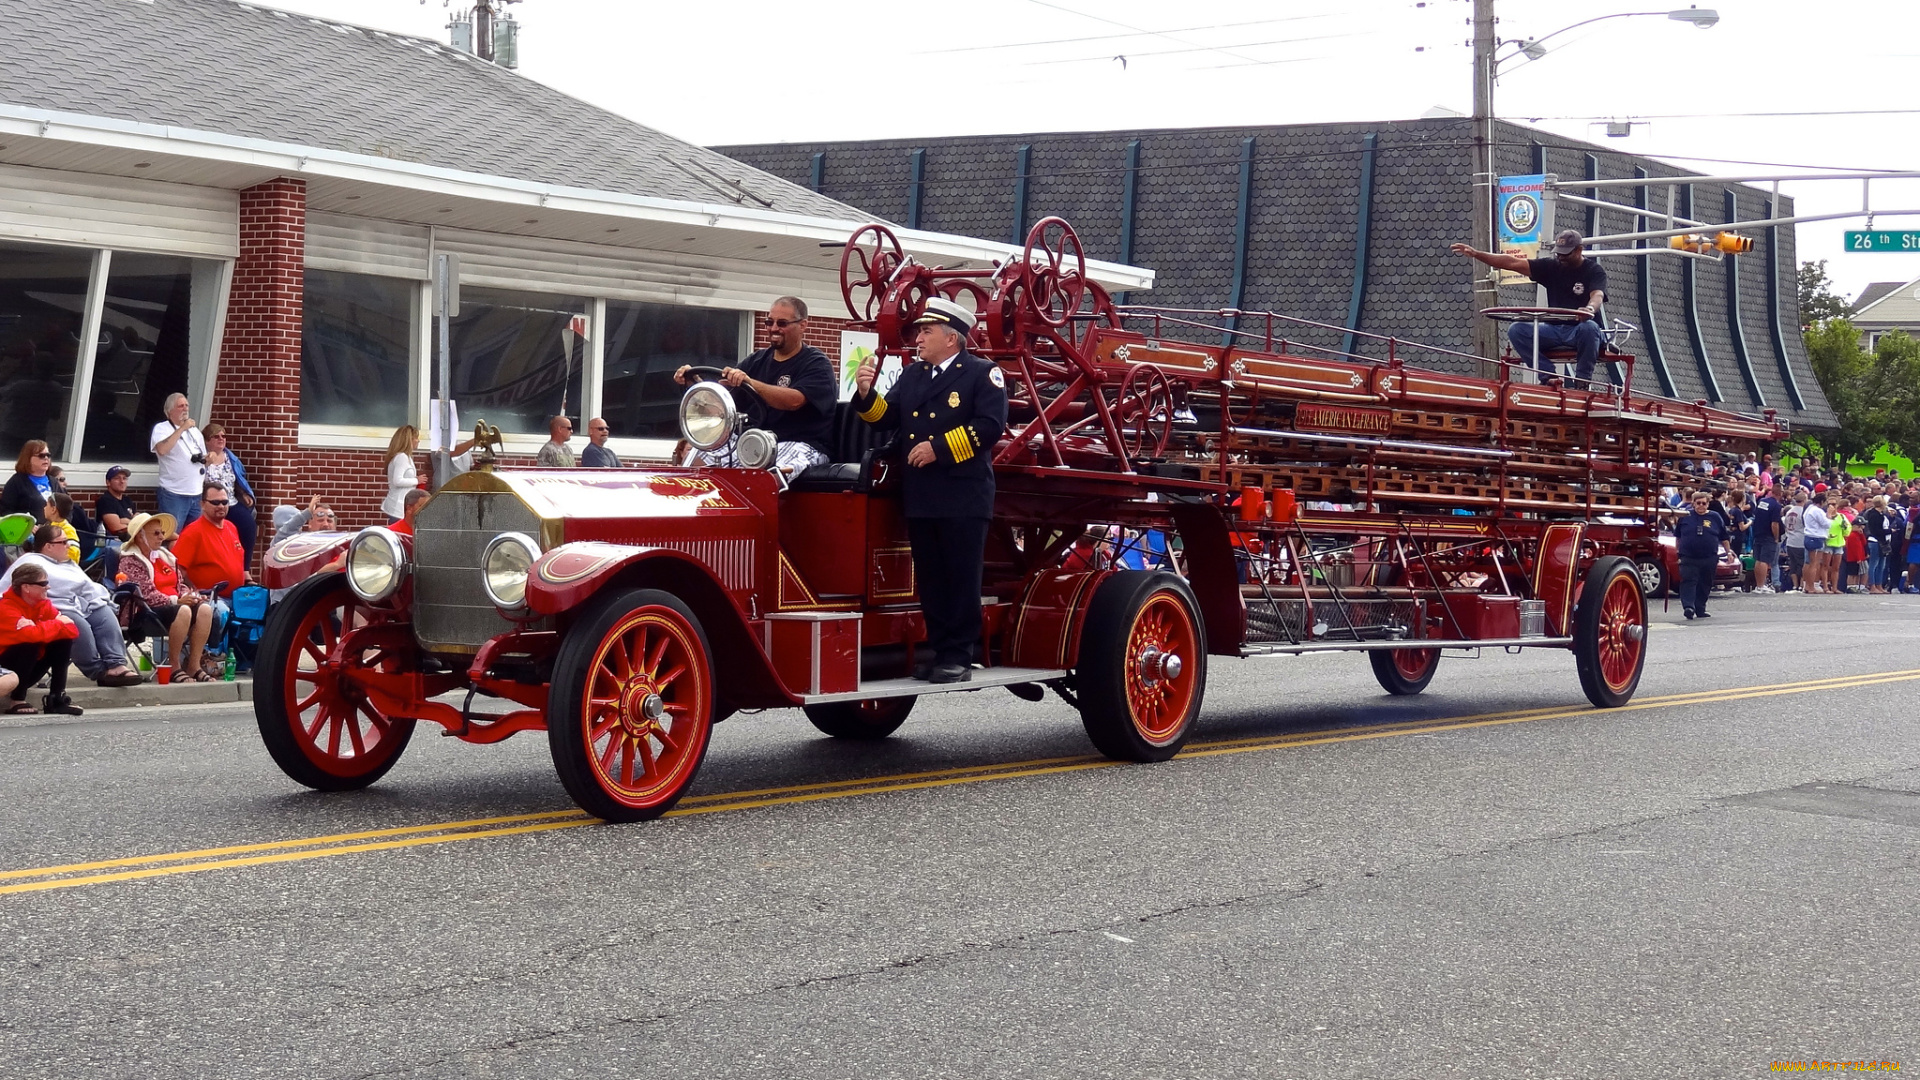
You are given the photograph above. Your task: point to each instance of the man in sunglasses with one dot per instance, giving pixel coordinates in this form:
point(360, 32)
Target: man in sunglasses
point(209, 551)
point(1699, 535)
point(787, 388)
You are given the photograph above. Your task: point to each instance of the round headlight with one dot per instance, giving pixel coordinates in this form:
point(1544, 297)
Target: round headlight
point(707, 416)
point(376, 563)
point(504, 568)
point(756, 448)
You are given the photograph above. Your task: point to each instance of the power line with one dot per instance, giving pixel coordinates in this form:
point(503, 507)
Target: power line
point(1129, 26)
point(1739, 115)
point(1111, 37)
point(1205, 48)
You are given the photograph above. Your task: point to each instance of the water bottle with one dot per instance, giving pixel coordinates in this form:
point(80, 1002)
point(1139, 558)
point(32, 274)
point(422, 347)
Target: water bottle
point(228, 673)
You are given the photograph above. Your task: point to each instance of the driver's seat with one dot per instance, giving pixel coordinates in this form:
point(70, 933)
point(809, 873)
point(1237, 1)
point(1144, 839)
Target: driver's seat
point(852, 440)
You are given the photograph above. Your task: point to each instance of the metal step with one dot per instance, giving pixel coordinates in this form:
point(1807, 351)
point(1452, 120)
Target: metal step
point(982, 678)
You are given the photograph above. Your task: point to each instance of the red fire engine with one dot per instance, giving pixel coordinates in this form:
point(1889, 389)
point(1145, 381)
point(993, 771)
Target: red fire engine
point(1311, 500)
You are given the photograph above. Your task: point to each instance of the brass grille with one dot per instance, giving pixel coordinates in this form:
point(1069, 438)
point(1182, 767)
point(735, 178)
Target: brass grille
point(451, 612)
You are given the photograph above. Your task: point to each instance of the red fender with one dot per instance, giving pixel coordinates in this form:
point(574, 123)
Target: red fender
point(299, 557)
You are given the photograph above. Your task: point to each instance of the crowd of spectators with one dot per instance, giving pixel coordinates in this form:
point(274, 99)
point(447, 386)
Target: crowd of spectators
point(1807, 529)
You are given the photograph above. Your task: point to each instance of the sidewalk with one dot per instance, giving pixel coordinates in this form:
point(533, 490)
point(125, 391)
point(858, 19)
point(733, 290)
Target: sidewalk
point(90, 697)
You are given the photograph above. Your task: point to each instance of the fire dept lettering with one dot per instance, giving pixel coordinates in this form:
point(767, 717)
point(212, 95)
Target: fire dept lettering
point(1342, 419)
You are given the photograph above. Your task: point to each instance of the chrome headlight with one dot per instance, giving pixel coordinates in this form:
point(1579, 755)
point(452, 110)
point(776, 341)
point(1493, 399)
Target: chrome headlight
point(707, 415)
point(756, 448)
point(504, 568)
point(376, 564)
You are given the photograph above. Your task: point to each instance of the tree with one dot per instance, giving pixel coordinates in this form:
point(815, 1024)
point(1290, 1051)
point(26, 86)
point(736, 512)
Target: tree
point(1895, 390)
point(1818, 301)
point(1844, 370)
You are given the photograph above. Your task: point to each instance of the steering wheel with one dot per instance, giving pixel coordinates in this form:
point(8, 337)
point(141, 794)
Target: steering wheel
point(708, 371)
point(1548, 315)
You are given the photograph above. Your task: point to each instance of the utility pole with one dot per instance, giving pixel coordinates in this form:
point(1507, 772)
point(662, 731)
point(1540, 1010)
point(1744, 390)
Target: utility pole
point(1486, 336)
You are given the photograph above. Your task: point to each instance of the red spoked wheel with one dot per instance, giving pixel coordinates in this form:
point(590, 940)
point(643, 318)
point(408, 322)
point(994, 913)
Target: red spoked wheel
point(1096, 312)
point(868, 720)
point(1142, 666)
point(632, 706)
point(1055, 271)
point(1404, 671)
point(319, 729)
point(1144, 412)
point(905, 297)
point(867, 263)
point(1610, 632)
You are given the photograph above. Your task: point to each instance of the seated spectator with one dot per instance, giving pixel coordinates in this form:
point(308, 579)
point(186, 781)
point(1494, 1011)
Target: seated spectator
point(36, 641)
point(29, 488)
point(114, 510)
point(414, 500)
point(209, 551)
point(59, 508)
point(287, 521)
point(146, 564)
point(99, 651)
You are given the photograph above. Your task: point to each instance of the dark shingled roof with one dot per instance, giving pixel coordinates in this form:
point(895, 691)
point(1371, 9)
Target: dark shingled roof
point(1876, 291)
point(1303, 218)
point(237, 69)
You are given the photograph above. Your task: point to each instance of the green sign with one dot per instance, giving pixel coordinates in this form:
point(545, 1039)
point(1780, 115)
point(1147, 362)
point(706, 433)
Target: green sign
point(1883, 240)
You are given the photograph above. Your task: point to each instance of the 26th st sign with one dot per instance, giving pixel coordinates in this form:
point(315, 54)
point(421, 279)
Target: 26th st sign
point(1883, 240)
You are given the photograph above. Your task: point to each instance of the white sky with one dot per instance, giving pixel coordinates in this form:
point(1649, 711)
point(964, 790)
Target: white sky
point(752, 71)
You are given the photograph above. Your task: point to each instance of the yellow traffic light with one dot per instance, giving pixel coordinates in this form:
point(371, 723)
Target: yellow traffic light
point(1731, 243)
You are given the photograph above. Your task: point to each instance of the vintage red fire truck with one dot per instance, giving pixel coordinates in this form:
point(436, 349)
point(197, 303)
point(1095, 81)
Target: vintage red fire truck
point(1313, 500)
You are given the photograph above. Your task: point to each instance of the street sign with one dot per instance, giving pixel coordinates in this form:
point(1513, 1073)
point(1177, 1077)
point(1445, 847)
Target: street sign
point(1883, 240)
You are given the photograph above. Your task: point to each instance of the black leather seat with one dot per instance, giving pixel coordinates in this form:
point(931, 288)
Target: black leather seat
point(848, 467)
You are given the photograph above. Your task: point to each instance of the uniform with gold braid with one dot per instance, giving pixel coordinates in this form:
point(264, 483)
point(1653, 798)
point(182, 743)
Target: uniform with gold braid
point(960, 411)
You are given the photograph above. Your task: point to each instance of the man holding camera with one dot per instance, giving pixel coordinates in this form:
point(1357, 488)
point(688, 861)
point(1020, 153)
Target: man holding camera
point(181, 450)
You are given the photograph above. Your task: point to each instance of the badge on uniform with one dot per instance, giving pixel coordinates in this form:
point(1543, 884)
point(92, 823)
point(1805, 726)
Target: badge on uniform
point(997, 379)
point(953, 399)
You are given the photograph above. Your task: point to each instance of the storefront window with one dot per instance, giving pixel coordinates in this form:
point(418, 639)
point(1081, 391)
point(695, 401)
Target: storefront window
point(646, 343)
point(144, 353)
point(43, 297)
point(515, 365)
point(356, 348)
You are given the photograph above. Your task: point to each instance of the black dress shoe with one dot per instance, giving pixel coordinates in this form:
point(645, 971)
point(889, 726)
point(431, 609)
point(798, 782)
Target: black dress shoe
point(951, 673)
point(923, 670)
point(1701, 615)
point(1689, 613)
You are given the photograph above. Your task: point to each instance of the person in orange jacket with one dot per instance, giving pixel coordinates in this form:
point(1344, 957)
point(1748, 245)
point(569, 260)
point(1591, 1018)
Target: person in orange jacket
point(36, 640)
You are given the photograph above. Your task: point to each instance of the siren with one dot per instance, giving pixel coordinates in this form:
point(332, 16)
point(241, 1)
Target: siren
point(1701, 243)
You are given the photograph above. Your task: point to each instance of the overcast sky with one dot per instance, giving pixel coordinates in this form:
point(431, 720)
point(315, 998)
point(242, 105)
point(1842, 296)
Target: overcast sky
point(753, 71)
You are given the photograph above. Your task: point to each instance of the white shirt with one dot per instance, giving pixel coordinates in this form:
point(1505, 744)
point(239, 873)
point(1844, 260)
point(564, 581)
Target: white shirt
point(1815, 522)
point(68, 587)
point(402, 477)
point(178, 473)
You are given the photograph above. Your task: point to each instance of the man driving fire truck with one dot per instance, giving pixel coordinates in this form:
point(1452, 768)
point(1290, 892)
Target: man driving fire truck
point(1572, 281)
point(949, 410)
point(788, 388)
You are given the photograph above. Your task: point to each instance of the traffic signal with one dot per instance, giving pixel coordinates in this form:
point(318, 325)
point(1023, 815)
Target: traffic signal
point(1730, 243)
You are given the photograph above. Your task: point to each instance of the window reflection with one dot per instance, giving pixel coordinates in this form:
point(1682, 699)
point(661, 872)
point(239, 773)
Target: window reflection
point(142, 355)
point(514, 364)
point(646, 343)
point(43, 295)
point(355, 349)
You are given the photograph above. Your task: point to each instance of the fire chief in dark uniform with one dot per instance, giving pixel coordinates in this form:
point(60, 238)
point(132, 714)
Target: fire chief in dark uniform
point(948, 408)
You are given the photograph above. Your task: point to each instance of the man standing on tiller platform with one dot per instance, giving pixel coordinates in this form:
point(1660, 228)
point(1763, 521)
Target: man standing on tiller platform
point(1573, 281)
point(949, 409)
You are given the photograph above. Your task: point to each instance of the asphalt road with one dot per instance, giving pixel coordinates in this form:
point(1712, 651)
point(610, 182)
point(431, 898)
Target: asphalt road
point(1490, 880)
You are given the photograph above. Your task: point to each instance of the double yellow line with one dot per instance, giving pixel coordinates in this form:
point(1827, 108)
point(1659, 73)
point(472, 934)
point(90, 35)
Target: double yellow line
point(72, 875)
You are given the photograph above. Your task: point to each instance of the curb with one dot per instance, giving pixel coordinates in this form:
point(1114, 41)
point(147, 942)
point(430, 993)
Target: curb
point(91, 697)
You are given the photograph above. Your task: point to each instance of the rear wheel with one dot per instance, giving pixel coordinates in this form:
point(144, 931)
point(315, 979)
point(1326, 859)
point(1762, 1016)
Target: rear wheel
point(1142, 666)
point(632, 706)
point(1610, 633)
point(866, 720)
point(319, 729)
point(1404, 671)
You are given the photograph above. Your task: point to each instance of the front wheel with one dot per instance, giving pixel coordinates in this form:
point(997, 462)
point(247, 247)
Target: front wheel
point(319, 729)
point(1404, 671)
point(868, 721)
point(632, 706)
point(1142, 666)
point(1610, 633)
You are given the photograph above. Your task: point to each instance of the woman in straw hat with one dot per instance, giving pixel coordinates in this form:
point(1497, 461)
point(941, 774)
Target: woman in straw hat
point(148, 565)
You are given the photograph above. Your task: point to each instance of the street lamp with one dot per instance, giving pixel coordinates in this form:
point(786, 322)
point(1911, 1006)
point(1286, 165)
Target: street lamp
point(1486, 67)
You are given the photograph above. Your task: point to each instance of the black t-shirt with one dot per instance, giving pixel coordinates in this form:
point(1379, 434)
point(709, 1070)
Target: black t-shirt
point(808, 371)
point(1568, 286)
point(109, 504)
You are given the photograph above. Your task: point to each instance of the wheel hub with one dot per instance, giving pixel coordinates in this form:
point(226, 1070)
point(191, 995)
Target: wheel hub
point(1155, 665)
point(641, 708)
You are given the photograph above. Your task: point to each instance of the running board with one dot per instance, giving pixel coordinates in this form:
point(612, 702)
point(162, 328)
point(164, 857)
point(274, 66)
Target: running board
point(982, 678)
point(1278, 648)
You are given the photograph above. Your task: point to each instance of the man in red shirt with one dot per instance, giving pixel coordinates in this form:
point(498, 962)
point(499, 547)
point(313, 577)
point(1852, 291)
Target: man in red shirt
point(209, 550)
